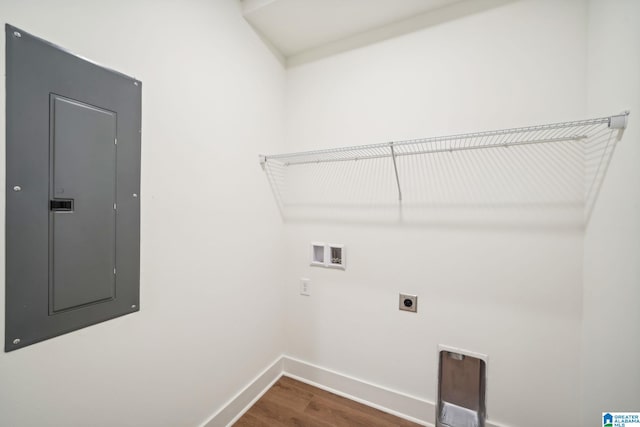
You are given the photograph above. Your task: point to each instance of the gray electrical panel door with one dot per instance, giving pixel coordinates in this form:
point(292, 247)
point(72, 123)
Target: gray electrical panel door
point(82, 239)
point(73, 185)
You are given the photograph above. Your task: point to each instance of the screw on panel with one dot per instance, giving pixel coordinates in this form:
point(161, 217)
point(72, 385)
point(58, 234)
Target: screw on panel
point(135, 195)
point(17, 34)
point(17, 188)
point(16, 341)
point(135, 83)
point(133, 306)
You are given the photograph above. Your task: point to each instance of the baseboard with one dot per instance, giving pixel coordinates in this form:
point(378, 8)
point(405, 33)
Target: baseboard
point(412, 408)
point(402, 405)
point(241, 402)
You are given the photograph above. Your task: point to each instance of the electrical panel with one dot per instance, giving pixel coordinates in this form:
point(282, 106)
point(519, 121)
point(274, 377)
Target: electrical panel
point(73, 191)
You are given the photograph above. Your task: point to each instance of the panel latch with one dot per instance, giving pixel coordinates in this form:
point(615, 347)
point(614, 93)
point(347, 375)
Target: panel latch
point(61, 205)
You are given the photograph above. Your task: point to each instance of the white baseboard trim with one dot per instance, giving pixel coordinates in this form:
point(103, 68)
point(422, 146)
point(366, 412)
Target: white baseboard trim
point(241, 402)
point(400, 404)
point(412, 408)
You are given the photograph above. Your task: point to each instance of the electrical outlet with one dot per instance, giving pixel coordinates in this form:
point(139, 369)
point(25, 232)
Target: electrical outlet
point(408, 303)
point(305, 286)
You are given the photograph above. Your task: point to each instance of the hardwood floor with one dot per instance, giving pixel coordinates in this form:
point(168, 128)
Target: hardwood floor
point(292, 403)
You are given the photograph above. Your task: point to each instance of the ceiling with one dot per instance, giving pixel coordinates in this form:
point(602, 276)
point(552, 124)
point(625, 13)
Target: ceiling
point(302, 30)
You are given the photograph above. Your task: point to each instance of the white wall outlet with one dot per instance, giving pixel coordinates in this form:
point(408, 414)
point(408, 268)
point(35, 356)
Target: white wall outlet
point(305, 286)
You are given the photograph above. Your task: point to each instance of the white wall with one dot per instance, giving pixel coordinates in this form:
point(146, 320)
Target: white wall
point(611, 325)
point(213, 98)
point(511, 292)
point(211, 304)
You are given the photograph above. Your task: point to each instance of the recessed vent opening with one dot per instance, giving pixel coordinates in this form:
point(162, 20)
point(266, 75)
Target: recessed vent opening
point(461, 390)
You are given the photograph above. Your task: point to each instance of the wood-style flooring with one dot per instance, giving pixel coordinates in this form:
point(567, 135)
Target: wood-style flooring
point(292, 403)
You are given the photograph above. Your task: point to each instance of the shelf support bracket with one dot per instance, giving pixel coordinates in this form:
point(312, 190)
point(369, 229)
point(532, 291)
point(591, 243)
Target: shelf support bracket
point(395, 169)
point(263, 160)
point(619, 121)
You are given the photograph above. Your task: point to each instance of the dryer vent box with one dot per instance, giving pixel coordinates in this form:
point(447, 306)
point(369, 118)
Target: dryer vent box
point(72, 196)
point(461, 390)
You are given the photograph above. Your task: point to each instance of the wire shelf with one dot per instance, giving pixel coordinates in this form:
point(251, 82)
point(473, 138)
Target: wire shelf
point(552, 163)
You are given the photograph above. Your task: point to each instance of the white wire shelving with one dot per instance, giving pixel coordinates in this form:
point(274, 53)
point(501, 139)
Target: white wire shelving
point(594, 139)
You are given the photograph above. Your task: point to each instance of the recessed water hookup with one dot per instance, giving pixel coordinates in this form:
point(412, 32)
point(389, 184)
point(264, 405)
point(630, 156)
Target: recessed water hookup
point(328, 255)
point(336, 256)
point(317, 254)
